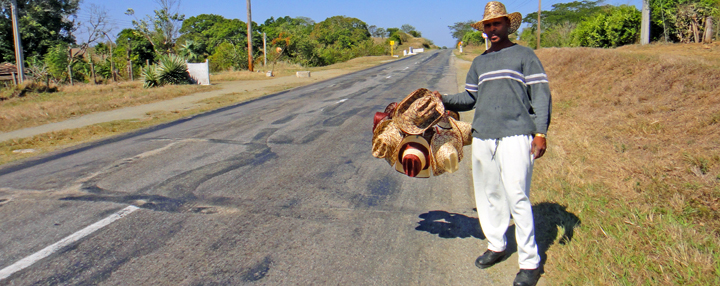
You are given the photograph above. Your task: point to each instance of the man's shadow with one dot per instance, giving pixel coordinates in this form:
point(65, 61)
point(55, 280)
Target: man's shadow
point(550, 219)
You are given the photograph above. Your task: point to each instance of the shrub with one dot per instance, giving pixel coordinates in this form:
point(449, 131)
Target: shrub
point(150, 76)
point(171, 69)
point(620, 26)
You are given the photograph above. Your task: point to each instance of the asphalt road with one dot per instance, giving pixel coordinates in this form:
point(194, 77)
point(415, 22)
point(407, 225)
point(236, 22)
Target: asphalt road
point(278, 191)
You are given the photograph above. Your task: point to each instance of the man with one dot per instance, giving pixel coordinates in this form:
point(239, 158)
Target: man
point(508, 88)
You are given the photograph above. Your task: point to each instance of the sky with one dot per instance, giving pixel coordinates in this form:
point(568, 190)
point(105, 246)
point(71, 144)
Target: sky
point(431, 18)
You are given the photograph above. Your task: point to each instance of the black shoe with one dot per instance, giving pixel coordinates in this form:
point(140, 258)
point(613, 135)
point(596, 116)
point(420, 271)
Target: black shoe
point(527, 277)
point(489, 258)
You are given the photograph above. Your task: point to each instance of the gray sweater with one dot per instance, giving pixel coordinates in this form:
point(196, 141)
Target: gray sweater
point(510, 94)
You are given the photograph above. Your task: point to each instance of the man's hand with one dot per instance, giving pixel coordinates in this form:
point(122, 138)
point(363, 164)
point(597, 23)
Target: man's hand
point(436, 93)
point(538, 147)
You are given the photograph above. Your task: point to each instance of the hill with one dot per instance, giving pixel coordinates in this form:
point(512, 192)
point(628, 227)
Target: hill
point(633, 153)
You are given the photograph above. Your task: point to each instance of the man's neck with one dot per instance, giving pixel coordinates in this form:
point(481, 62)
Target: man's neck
point(500, 45)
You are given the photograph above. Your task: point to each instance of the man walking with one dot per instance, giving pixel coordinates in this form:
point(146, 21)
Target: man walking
point(508, 88)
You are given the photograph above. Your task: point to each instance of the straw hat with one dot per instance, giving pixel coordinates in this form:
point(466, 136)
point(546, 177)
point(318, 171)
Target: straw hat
point(385, 141)
point(494, 10)
point(420, 110)
point(447, 147)
point(465, 130)
point(413, 157)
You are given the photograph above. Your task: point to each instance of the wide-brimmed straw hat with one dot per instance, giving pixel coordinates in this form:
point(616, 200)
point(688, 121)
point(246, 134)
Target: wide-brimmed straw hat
point(386, 140)
point(494, 10)
point(447, 147)
point(420, 110)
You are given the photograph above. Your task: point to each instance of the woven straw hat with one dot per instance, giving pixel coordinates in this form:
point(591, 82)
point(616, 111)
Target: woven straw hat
point(465, 130)
point(447, 148)
point(418, 111)
point(386, 140)
point(414, 157)
point(494, 10)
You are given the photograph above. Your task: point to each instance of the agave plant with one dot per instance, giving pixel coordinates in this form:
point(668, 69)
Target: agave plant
point(151, 77)
point(172, 70)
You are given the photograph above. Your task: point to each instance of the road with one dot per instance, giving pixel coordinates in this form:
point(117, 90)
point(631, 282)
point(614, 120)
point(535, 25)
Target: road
point(277, 191)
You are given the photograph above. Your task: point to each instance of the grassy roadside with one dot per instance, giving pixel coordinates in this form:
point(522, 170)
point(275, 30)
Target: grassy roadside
point(17, 149)
point(633, 156)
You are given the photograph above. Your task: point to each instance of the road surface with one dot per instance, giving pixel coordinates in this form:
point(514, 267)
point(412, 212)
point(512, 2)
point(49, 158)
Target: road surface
point(277, 191)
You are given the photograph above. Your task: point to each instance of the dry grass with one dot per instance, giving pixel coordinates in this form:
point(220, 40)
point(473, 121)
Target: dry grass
point(633, 153)
point(281, 69)
point(41, 108)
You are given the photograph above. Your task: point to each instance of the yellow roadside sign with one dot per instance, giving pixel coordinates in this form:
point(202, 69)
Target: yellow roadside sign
point(392, 43)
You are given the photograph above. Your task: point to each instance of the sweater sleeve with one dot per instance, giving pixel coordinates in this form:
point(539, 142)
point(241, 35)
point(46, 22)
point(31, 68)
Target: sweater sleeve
point(464, 100)
point(538, 90)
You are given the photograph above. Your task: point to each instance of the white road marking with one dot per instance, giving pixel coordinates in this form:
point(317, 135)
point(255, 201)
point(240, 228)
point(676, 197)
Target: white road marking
point(341, 101)
point(406, 68)
point(47, 251)
point(389, 76)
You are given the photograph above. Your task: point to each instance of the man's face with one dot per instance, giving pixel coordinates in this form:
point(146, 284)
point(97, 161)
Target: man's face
point(497, 29)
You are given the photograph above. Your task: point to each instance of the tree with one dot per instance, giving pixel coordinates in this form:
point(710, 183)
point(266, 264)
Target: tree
point(380, 32)
point(43, 24)
point(161, 29)
point(459, 29)
point(671, 20)
point(559, 22)
point(620, 26)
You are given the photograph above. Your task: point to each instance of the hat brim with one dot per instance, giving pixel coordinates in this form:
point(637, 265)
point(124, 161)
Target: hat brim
point(515, 21)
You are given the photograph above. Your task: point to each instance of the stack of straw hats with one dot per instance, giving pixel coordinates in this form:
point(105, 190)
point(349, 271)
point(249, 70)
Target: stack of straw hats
point(418, 137)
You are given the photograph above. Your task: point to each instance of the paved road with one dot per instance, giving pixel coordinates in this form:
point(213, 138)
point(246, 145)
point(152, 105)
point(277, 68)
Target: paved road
point(277, 191)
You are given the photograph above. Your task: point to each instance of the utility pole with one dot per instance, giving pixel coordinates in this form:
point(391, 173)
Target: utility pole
point(249, 36)
point(70, 62)
point(645, 25)
point(538, 27)
point(264, 49)
point(18, 44)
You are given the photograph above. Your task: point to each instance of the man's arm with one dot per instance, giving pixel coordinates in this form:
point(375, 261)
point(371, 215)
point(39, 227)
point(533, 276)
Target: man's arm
point(464, 100)
point(538, 90)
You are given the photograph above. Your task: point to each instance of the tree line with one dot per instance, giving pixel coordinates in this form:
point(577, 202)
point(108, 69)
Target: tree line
point(595, 24)
point(54, 51)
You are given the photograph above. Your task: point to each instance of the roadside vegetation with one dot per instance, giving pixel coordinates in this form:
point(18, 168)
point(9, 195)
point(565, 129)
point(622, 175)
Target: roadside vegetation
point(596, 24)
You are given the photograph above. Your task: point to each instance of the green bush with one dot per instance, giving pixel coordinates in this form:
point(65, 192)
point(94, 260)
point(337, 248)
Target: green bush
point(150, 76)
point(171, 69)
point(473, 38)
point(620, 26)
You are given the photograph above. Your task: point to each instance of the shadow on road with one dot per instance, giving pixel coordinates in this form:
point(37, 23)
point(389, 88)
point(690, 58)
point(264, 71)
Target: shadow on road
point(550, 220)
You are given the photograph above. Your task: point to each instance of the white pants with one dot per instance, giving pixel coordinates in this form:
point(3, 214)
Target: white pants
point(502, 170)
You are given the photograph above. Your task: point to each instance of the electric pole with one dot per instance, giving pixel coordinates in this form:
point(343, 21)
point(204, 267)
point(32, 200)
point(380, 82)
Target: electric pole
point(538, 27)
point(18, 43)
point(645, 25)
point(249, 36)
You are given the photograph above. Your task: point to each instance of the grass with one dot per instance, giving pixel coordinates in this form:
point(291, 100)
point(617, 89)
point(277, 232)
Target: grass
point(286, 69)
point(35, 109)
point(633, 154)
point(633, 159)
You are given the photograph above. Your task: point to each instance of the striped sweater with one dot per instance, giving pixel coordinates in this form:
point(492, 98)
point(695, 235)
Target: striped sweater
point(510, 94)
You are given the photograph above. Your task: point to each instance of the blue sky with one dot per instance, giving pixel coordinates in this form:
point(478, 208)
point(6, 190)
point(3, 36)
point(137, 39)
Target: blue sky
point(429, 17)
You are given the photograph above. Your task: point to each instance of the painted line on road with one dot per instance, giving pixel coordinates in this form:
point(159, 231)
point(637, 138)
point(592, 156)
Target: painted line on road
point(47, 251)
point(389, 76)
point(341, 101)
point(406, 68)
